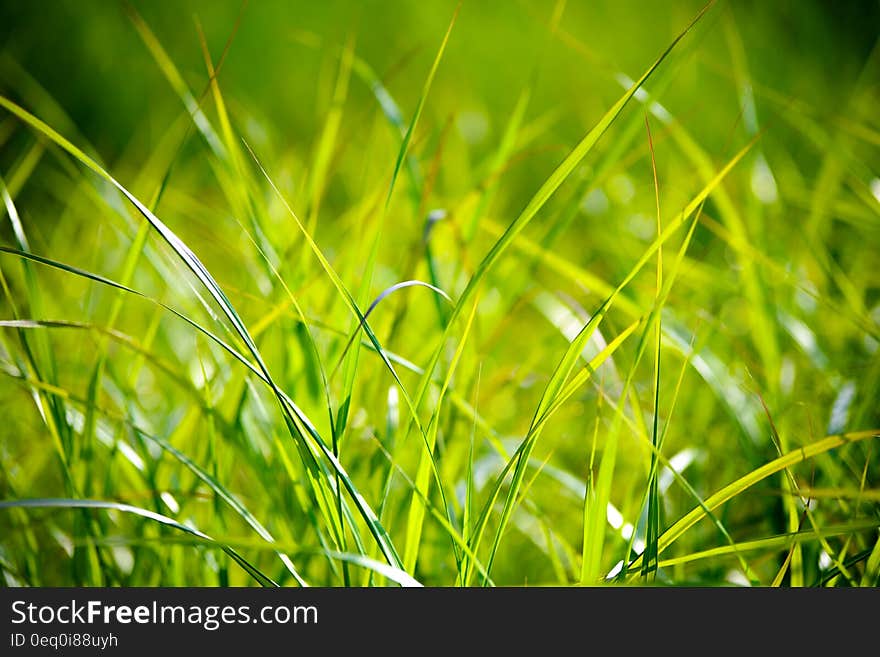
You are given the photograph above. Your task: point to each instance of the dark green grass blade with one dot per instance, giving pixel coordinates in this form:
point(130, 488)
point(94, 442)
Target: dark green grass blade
point(649, 564)
point(379, 298)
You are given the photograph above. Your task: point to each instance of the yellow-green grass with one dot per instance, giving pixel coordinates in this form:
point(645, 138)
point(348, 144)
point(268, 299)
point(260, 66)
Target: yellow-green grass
point(566, 294)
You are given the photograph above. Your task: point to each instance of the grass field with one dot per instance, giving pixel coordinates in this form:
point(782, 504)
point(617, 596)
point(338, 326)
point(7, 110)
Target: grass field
point(353, 294)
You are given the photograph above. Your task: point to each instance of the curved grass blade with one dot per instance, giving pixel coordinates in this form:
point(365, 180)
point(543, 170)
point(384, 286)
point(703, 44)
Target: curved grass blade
point(297, 422)
point(41, 360)
point(344, 293)
point(393, 574)
point(564, 170)
point(597, 511)
point(540, 198)
point(379, 298)
point(91, 407)
point(772, 543)
point(63, 503)
point(745, 482)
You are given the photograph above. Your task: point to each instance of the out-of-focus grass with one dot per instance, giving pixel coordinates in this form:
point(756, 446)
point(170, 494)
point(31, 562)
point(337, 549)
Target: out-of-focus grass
point(370, 293)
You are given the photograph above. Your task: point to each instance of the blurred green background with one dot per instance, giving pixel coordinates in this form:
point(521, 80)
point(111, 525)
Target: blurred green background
point(90, 59)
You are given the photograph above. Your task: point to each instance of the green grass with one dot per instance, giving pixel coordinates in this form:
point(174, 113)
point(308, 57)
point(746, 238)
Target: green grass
point(563, 294)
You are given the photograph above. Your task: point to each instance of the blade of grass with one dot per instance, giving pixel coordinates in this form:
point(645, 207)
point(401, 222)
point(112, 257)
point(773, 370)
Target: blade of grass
point(60, 503)
point(296, 420)
point(649, 563)
point(540, 198)
point(427, 463)
point(745, 482)
point(772, 543)
point(560, 375)
point(407, 138)
point(169, 70)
